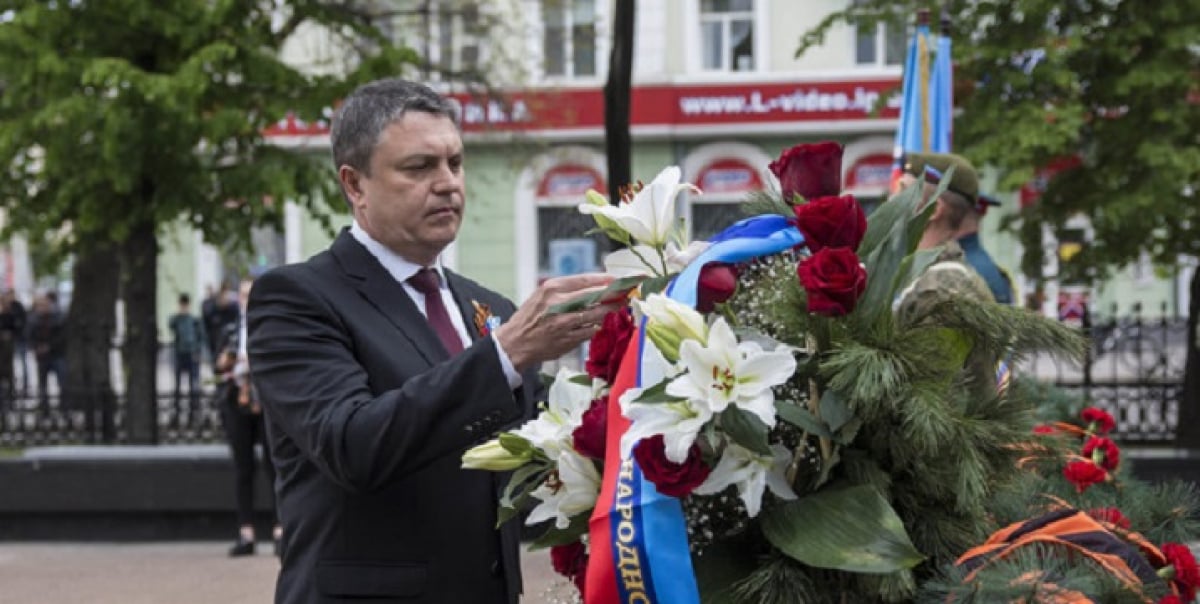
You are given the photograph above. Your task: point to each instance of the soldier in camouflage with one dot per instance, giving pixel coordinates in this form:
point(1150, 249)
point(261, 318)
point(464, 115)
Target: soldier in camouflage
point(952, 274)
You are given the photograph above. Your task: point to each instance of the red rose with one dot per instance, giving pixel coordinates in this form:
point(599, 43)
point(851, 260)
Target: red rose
point(591, 436)
point(1110, 515)
point(1084, 474)
point(1044, 429)
point(1098, 420)
point(834, 280)
point(1108, 449)
point(831, 222)
point(1187, 576)
point(809, 170)
point(608, 346)
point(674, 479)
point(717, 283)
point(1170, 599)
point(570, 561)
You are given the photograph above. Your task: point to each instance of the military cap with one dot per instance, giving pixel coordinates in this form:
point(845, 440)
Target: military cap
point(931, 166)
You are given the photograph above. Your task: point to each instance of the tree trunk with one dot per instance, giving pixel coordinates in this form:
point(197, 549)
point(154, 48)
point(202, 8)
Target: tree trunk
point(1188, 432)
point(139, 283)
point(617, 93)
point(89, 335)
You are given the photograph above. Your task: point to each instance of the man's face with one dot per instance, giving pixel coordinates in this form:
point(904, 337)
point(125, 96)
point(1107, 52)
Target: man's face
point(412, 201)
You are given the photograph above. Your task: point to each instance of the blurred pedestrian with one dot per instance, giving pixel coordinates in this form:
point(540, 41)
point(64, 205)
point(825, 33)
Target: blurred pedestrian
point(8, 340)
point(242, 415)
point(187, 346)
point(219, 313)
point(48, 340)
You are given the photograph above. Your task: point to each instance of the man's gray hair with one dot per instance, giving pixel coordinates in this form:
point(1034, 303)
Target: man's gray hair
point(364, 115)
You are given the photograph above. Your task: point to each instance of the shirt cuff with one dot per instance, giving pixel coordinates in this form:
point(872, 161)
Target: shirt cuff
point(510, 373)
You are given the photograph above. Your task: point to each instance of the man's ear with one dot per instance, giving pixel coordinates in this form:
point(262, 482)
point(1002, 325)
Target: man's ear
point(351, 182)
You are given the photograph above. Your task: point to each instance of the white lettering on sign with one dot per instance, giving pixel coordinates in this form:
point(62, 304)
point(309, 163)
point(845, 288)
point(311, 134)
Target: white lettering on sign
point(798, 101)
point(494, 112)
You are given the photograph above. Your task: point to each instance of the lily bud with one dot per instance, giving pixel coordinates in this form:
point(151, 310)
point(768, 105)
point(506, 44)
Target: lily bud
point(492, 456)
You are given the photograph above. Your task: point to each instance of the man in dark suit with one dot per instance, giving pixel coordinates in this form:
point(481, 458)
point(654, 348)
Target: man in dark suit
point(375, 375)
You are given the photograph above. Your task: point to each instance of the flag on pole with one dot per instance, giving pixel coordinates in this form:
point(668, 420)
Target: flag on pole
point(926, 111)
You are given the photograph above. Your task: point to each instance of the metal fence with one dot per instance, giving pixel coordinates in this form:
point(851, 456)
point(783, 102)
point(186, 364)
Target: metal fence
point(1134, 370)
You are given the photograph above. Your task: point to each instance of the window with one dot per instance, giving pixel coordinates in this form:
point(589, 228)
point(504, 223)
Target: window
point(880, 44)
point(727, 35)
point(459, 29)
point(569, 41)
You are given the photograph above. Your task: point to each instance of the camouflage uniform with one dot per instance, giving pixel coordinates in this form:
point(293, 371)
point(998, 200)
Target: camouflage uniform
point(947, 278)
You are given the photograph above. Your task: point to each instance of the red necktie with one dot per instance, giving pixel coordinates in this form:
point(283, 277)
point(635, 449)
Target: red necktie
point(428, 282)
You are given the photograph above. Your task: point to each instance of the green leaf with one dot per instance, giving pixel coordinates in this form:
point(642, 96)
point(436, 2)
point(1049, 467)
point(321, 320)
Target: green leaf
point(655, 285)
point(834, 410)
point(624, 284)
point(582, 379)
point(852, 529)
point(745, 429)
point(801, 418)
point(658, 394)
point(556, 536)
point(514, 444)
point(521, 482)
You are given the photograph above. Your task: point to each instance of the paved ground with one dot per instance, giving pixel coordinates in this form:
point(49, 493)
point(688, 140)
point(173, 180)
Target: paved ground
point(175, 573)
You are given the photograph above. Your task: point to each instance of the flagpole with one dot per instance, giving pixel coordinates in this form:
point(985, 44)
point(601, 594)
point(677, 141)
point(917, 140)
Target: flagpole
point(923, 79)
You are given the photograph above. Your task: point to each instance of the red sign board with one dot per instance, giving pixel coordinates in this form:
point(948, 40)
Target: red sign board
point(571, 180)
point(870, 172)
point(676, 105)
point(667, 105)
point(728, 176)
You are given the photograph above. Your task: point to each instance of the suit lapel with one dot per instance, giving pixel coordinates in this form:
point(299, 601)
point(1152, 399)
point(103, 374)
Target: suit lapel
point(375, 284)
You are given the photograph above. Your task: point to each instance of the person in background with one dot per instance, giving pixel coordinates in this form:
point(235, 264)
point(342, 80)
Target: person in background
point(957, 216)
point(8, 341)
point(219, 313)
point(48, 340)
point(243, 420)
point(20, 321)
point(187, 346)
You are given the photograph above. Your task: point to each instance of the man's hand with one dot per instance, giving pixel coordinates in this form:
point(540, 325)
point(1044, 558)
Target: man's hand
point(532, 336)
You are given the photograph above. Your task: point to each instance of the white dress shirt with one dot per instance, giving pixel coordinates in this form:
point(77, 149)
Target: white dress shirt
point(401, 270)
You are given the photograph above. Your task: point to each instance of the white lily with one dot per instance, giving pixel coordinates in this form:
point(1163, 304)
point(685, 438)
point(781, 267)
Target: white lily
point(650, 216)
point(568, 492)
point(640, 259)
point(566, 402)
point(723, 372)
point(752, 474)
point(678, 423)
point(669, 323)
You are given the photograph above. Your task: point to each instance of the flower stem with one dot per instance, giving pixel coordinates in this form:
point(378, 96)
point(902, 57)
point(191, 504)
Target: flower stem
point(645, 261)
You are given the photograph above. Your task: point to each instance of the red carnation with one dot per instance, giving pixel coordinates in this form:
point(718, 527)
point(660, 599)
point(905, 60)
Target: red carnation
point(718, 281)
point(1112, 516)
point(834, 280)
point(570, 561)
point(670, 478)
point(831, 222)
point(1108, 450)
point(1186, 576)
point(1098, 420)
point(608, 346)
point(809, 170)
point(1044, 429)
point(1084, 474)
point(591, 436)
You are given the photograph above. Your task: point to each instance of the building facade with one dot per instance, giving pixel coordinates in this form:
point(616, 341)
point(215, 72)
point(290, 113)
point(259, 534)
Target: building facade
point(717, 90)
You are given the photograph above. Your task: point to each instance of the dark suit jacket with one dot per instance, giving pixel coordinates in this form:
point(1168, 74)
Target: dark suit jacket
point(367, 419)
